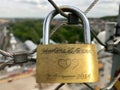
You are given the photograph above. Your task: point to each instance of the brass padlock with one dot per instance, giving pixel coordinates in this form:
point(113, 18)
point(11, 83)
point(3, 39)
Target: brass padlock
point(66, 63)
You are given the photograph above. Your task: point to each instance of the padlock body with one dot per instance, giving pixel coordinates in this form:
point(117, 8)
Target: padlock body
point(117, 84)
point(67, 63)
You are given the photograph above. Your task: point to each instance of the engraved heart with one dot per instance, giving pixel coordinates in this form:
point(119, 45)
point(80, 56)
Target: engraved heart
point(64, 63)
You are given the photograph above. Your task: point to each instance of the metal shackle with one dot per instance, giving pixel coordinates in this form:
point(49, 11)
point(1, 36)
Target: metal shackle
point(76, 11)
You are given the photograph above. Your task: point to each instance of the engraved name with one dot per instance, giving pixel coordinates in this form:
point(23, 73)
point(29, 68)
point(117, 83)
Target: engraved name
point(82, 76)
point(67, 50)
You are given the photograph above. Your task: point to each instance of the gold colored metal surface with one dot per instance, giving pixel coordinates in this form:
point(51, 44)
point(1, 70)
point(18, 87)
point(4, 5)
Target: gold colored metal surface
point(117, 85)
point(67, 63)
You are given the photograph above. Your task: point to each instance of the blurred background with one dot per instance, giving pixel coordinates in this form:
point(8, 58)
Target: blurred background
point(21, 23)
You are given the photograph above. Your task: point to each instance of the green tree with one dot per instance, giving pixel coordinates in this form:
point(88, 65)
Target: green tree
point(28, 29)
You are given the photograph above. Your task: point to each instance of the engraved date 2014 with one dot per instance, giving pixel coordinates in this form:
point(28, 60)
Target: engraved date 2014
point(83, 76)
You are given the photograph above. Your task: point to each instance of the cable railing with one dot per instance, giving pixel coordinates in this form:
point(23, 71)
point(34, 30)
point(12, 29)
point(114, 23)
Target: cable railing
point(27, 54)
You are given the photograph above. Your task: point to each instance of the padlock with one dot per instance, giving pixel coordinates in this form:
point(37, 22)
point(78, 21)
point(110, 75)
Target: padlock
point(117, 84)
point(66, 63)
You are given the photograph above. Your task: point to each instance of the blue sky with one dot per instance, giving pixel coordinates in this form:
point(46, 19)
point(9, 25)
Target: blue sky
point(40, 8)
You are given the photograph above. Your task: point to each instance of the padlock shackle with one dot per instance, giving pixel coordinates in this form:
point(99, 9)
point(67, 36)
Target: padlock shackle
point(78, 12)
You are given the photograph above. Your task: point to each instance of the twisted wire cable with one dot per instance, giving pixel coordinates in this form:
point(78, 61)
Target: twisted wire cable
point(4, 53)
point(91, 6)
